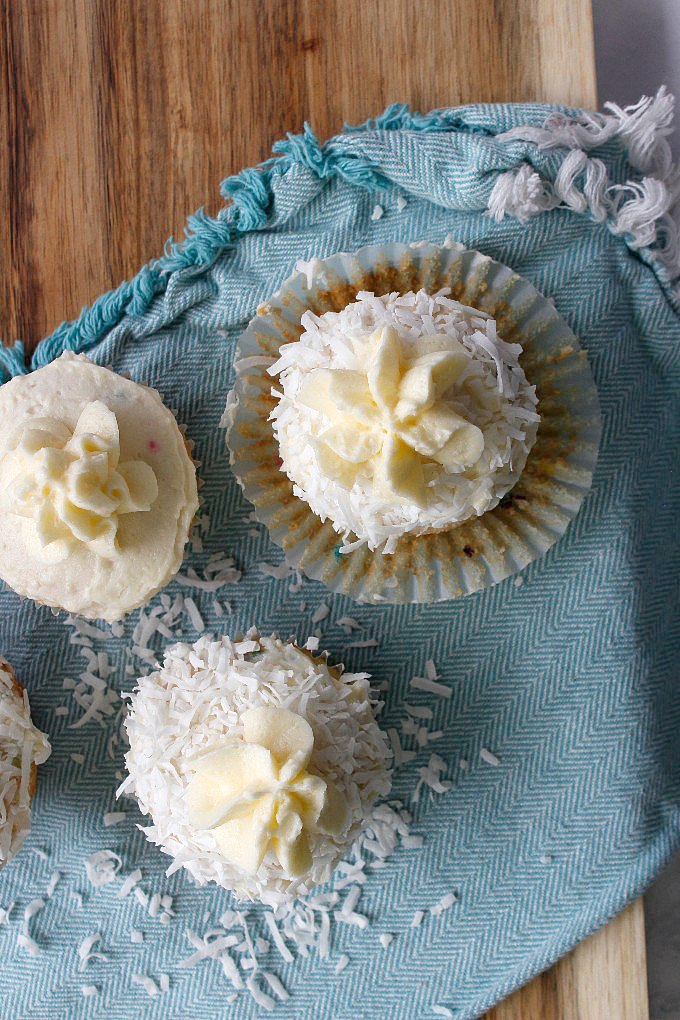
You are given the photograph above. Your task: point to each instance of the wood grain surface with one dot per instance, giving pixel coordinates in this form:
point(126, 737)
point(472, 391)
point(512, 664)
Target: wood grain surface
point(119, 117)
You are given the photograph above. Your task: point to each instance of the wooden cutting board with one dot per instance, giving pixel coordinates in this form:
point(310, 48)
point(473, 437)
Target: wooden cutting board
point(121, 116)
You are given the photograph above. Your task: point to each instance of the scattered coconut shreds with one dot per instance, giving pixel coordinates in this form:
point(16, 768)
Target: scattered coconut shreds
point(88, 991)
point(401, 757)
point(278, 938)
point(114, 818)
point(443, 1011)
point(129, 883)
point(430, 776)
point(86, 950)
point(216, 575)
point(401, 203)
point(378, 212)
point(491, 392)
point(342, 963)
point(519, 581)
point(197, 621)
point(147, 983)
point(546, 858)
point(260, 996)
point(312, 644)
point(430, 686)
point(78, 758)
point(348, 624)
point(136, 936)
point(276, 986)
point(444, 904)
point(26, 942)
point(321, 613)
point(102, 867)
point(5, 912)
point(277, 571)
point(53, 883)
point(417, 918)
point(367, 643)
point(488, 756)
point(385, 939)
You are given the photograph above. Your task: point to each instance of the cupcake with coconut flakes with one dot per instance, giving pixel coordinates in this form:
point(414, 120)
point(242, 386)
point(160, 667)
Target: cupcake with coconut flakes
point(411, 422)
point(401, 415)
point(97, 489)
point(257, 762)
point(22, 749)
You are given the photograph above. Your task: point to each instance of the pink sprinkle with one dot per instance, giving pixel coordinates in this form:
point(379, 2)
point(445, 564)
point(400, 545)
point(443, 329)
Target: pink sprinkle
point(153, 445)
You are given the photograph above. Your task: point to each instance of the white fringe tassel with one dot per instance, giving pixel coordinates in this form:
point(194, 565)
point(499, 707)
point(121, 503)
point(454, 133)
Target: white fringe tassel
point(647, 211)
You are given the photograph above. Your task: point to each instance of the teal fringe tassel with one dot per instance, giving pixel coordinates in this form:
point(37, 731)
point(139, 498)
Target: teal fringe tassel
point(250, 198)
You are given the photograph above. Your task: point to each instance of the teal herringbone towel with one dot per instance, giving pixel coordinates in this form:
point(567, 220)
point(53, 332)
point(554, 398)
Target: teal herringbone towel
point(553, 799)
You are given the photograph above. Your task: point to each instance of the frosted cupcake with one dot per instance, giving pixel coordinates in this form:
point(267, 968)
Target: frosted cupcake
point(257, 762)
point(401, 415)
point(412, 422)
point(22, 749)
point(97, 489)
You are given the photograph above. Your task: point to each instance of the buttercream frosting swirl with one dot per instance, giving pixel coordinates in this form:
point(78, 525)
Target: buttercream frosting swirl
point(71, 484)
point(256, 792)
point(389, 419)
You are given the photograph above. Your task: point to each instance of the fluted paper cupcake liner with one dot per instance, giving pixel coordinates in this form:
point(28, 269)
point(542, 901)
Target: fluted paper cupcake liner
point(481, 551)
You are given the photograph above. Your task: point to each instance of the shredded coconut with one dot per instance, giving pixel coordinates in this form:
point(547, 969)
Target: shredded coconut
point(102, 867)
point(488, 756)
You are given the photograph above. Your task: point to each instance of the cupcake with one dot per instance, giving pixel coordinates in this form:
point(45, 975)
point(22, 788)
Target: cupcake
point(412, 422)
point(97, 489)
point(401, 415)
point(22, 749)
point(257, 762)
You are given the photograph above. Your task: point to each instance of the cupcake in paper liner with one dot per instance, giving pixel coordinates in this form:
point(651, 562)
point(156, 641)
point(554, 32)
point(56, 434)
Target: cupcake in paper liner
point(412, 422)
point(258, 763)
point(98, 489)
point(22, 749)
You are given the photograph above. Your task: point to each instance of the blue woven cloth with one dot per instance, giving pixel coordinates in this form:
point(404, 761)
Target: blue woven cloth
point(570, 679)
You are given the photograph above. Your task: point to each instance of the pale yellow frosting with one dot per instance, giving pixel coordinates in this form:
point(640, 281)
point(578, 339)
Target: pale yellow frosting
point(71, 484)
point(98, 489)
point(256, 793)
point(389, 418)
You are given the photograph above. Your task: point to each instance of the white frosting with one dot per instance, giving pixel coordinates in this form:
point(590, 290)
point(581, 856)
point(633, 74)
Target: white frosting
point(99, 489)
point(207, 700)
point(71, 484)
point(402, 414)
point(22, 748)
point(256, 792)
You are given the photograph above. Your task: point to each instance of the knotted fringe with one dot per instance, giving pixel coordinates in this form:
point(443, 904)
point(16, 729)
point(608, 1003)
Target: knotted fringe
point(645, 212)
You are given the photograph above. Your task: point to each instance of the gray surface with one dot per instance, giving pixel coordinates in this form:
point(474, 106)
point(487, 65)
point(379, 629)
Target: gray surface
point(637, 47)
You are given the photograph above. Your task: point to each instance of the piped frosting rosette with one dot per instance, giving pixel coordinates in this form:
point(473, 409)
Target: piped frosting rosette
point(412, 422)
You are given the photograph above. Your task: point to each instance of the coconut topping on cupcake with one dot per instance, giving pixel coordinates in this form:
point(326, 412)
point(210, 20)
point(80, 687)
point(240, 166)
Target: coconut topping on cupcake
point(22, 749)
point(98, 491)
point(402, 414)
point(256, 761)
